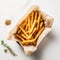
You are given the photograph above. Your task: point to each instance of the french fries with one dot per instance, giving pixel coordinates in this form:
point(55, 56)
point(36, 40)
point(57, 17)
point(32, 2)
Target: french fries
point(32, 15)
point(36, 15)
point(38, 21)
point(23, 31)
point(33, 25)
point(19, 37)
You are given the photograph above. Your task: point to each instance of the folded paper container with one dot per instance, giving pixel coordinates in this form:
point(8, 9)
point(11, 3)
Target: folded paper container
point(48, 26)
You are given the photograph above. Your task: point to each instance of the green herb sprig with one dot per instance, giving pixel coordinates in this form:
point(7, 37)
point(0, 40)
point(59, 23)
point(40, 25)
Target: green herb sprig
point(8, 47)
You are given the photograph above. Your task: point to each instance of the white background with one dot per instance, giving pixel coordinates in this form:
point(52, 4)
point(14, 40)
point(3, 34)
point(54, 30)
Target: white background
point(14, 10)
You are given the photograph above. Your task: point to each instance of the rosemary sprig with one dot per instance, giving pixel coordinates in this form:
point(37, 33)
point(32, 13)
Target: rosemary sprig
point(8, 47)
point(5, 50)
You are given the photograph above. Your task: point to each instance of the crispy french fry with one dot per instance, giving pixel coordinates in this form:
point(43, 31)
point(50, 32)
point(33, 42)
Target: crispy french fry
point(30, 36)
point(28, 22)
point(39, 32)
point(22, 25)
point(41, 24)
point(38, 21)
point(28, 41)
point(32, 15)
point(28, 28)
point(26, 25)
point(24, 36)
point(35, 15)
point(19, 37)
point(19, 31)
point(30, 31)
point(23, 31)
point(34, 23)
point(32, 43)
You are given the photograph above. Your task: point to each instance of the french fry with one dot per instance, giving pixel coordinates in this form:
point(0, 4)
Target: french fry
point(22, 25)
point(23, 31)
point(26, 25)
point(30, 36)
point(30, 41)
point(41, 24)
point(27, 41)
point(38, 21)
point(28, 22)
point(34, 23)
point(24, 36)
point(19, 37)
point(39, 32)
point(35, 15)
point(33, 40)
point(32, 15)
point(31, 21)
point(19, 31)
point(31, 28)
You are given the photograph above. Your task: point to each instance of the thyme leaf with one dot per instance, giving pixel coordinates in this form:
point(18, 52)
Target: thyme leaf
point(9, 48)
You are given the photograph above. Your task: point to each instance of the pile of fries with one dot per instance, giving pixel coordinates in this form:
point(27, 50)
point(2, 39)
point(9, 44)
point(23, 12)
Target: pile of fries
point(30, 29)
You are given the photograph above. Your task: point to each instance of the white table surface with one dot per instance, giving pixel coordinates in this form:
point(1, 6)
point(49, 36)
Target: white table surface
point(14, 10)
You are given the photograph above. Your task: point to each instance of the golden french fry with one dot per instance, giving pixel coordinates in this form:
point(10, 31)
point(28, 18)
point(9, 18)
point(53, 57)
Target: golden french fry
point(39, 32)
point(22, 25)
point(28, 22)
point(31, 21)
point(38, 21)
point(28, 41)
point(19, 31)
point(23, 31)
point(28, 28)
point(32, 16)
point(36, 15)
point(24, 36)
point(26, 25)
point(34, 23)
point(41, 24)
point(30, 36)
point(19, 37)
point(32, 43)
point(30, 31)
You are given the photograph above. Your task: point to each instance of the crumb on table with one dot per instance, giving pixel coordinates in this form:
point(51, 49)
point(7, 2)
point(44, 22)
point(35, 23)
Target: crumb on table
point(8, 22)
